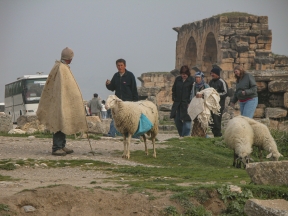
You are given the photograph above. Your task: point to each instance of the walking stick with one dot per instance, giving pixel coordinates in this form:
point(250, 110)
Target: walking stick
point(89, 140)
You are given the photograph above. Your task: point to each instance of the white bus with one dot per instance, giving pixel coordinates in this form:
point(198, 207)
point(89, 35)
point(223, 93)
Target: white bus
point(22, 96)
point(2, 107)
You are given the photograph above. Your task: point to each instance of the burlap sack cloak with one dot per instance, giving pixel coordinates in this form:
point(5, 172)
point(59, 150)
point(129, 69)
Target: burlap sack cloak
point(61, 105)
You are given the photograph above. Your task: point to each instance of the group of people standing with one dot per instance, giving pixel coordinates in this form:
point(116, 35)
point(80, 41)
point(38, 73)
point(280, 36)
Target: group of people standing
point(61, 104)
point(186, 87)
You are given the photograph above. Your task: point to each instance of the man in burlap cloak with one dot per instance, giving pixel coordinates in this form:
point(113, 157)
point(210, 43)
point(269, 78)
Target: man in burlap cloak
point(61, 107)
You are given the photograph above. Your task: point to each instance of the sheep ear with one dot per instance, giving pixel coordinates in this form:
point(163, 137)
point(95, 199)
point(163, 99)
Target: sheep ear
point(281, 155)
point(269, 155)
point(118, 99)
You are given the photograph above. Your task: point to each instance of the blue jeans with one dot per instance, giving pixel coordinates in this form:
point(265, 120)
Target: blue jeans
point(104, 114)
point(248, 108)
point(112, 129)
point(183, 127)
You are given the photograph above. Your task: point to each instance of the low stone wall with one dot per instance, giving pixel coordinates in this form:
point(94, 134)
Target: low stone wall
point(5, 122)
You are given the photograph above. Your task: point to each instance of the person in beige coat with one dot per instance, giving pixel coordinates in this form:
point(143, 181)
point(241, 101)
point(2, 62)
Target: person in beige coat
point(61, 108)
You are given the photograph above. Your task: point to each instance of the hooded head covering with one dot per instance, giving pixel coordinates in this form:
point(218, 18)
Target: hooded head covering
point(199, 74)
point(67, 54)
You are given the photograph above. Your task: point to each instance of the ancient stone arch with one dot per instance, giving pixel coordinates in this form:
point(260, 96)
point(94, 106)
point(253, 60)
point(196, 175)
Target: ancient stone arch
point(190, 56)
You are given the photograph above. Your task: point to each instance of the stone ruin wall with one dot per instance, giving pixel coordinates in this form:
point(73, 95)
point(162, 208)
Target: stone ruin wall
point(227, 42)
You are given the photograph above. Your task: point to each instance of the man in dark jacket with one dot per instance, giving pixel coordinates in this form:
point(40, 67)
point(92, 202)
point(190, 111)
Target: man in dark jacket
point(125, 87)
point(221, 87)
point(123, 83)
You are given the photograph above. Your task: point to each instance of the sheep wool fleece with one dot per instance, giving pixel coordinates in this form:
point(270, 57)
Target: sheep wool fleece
point(239, 136)
point(127, 120)
point(61, 105)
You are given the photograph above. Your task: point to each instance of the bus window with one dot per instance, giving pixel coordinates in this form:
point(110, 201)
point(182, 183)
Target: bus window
point(33, 90)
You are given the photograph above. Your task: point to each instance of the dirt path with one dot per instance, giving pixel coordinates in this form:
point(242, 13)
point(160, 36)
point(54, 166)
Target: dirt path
point(76, 194)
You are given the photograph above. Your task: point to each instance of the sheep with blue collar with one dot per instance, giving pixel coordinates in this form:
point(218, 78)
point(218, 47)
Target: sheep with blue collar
point(127, 116)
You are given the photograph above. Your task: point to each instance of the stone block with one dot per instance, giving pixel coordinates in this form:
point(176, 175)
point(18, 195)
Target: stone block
point(224, 44)
point(261, 86)
point(264, 39)
point(259, 26)
point(261, 106)
point(252, 39)
point(221, 38)
point(242, 31)
point(260, 46)
point(278, 86)
point(96, 126)
point(253, 46)
point(243, 19)
point(225, 25)
point(246, 66)
point(263, 19)
point(262, 53)
point(223, 19)
point(5, 122)
point(233, 19)
point(229, 53)
point(259, 113)
point(285, 99)
point(227, 31)
point(273, 124)
point(264, 60)
point(253, 19)
point(283, 126)
point(242, 47)
point(243, 55)
point(165, 107)
point(22, 120)
point(275, 113)
point(251, 54)
point(227, 66)
point(267, 46)
point(253, 32)
point(242, 60)
point(267, 32)
point(227, 60)
point(268, 173)
point(256, 207)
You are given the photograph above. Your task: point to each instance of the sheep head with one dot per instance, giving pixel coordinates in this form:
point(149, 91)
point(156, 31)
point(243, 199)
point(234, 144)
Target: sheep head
point(111, 101)
point(275, 155)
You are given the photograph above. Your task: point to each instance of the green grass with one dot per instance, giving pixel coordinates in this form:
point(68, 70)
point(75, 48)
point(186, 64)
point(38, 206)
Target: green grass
point(235, 14)
point(186, 160)
point(189, 167)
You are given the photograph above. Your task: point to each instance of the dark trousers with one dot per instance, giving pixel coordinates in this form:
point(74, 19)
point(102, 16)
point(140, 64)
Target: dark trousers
point(59, 141)
point(216, 127)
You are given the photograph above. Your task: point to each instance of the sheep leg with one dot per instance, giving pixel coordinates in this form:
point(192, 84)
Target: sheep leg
point(235, 158)
point(125, 146)
point(128, 146)
point(145, 143)
point(153, 142)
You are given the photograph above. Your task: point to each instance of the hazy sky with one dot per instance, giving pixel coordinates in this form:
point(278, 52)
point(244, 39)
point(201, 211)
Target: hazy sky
point(34, 32)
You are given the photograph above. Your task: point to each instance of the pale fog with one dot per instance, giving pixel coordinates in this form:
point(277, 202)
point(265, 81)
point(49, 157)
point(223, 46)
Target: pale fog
point(33, 34)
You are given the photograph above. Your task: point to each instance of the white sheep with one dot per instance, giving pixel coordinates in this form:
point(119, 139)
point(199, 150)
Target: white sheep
point(126, 117)
point(239, 137)
point(263, 139)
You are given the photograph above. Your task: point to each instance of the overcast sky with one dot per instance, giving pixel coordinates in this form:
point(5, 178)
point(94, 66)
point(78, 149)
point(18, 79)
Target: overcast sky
point(34, 32)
